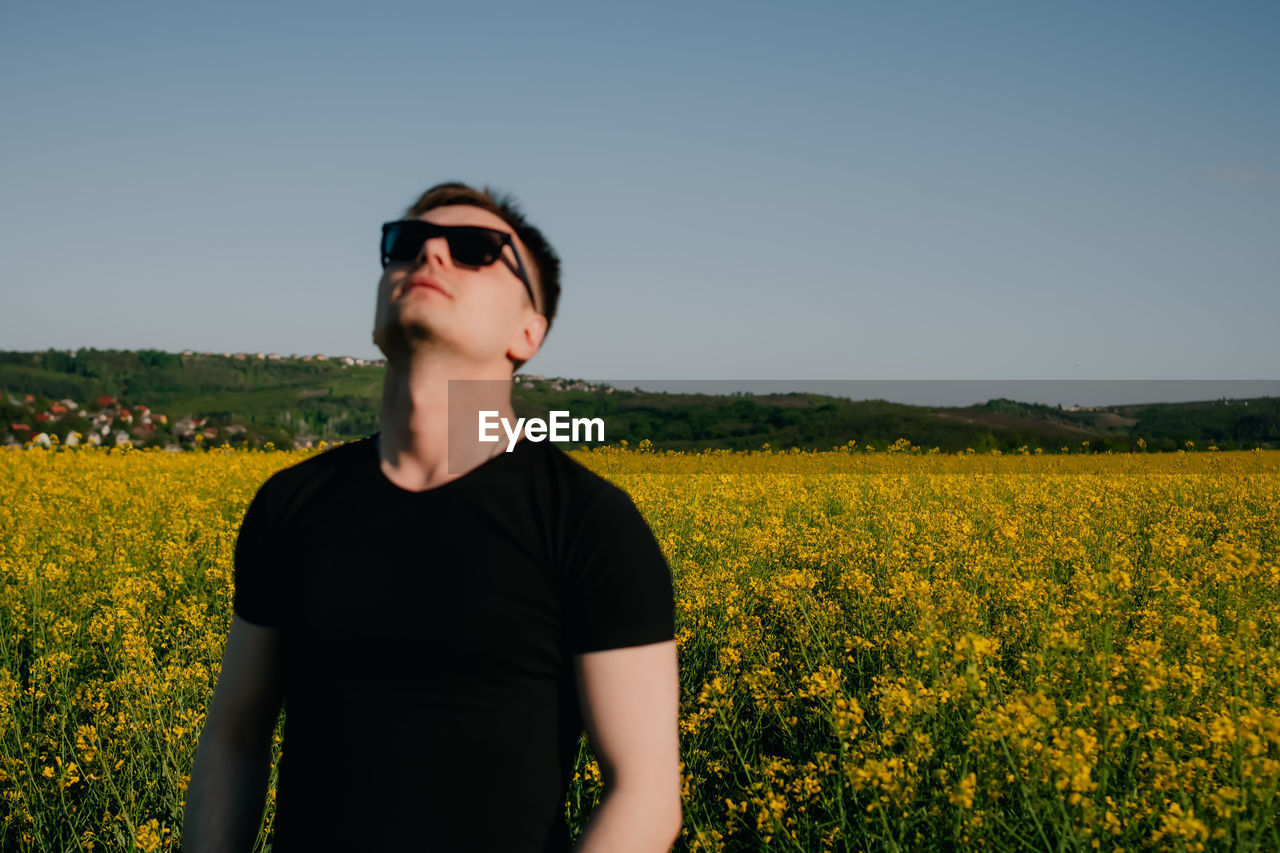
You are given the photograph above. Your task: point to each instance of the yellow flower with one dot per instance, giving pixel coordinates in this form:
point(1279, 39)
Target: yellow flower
point(962, 796)
point(149, 836)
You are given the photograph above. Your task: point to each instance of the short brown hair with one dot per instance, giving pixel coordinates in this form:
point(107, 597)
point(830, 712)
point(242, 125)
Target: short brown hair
point(546, 272)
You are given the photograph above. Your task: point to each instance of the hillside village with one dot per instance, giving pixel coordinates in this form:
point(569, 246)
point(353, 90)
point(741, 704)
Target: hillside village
point(111, 423)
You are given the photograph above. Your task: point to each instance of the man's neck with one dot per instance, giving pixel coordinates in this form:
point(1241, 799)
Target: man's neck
point(430, 408)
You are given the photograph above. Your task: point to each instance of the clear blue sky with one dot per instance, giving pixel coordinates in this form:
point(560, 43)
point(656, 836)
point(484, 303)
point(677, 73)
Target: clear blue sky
point(740, 190)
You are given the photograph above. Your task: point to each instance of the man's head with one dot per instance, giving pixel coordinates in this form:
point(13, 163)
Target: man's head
point(476, 307)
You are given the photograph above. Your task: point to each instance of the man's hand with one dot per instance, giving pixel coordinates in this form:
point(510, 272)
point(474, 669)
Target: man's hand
point(630, 701)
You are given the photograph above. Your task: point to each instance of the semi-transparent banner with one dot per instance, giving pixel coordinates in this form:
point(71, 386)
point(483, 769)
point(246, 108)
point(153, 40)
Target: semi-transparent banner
point(772, 416)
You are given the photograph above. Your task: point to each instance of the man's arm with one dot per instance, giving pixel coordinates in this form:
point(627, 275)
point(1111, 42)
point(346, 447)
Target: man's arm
point(630, 701)
point(227, 791)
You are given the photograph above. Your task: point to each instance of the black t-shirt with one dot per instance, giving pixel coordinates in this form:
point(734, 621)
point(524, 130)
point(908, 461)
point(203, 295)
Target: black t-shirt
point(430, 702)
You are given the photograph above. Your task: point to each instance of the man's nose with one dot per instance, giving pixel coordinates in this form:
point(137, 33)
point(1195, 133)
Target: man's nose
point(435, 252)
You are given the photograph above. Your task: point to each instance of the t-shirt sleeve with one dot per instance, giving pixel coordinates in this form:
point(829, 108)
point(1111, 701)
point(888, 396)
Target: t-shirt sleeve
point(257, 571)
point(620, 588)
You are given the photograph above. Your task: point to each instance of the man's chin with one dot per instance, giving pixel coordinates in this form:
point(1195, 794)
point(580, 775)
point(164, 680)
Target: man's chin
point(419, 325)
point(406, 337)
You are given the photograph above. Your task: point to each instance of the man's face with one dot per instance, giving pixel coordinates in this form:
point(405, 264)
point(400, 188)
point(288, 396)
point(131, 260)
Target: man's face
point(481, 313)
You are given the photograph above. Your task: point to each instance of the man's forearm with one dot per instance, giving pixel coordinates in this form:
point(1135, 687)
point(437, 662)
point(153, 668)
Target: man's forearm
point(629, 822)
point(225, 797)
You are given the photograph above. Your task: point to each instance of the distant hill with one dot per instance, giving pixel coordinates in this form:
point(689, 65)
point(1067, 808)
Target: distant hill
point(177, 401)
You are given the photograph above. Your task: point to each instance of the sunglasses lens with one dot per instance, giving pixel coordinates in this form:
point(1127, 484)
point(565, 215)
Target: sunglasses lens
point(475, 247)
point(401, 242)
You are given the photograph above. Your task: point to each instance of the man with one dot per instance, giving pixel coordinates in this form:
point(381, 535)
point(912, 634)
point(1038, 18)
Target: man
point(441, 618)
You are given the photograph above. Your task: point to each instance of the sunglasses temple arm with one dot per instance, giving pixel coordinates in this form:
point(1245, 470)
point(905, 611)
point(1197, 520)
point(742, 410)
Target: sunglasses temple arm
point(524, 276)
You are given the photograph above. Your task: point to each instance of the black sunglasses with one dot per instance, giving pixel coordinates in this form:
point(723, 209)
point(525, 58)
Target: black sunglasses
point(469, 245)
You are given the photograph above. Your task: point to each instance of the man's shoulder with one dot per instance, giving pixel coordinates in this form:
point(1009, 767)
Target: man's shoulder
point(587, 497)
point(286, 490)
point(326, 463)
point(579, 480)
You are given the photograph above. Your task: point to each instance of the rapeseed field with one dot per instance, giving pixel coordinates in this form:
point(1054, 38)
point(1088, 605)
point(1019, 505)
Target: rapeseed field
point(894, 650)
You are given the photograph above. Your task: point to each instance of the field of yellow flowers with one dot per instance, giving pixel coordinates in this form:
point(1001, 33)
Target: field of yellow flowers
point(879, 650)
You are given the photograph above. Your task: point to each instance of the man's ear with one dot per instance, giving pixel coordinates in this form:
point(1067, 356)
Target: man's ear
point(529, 338)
